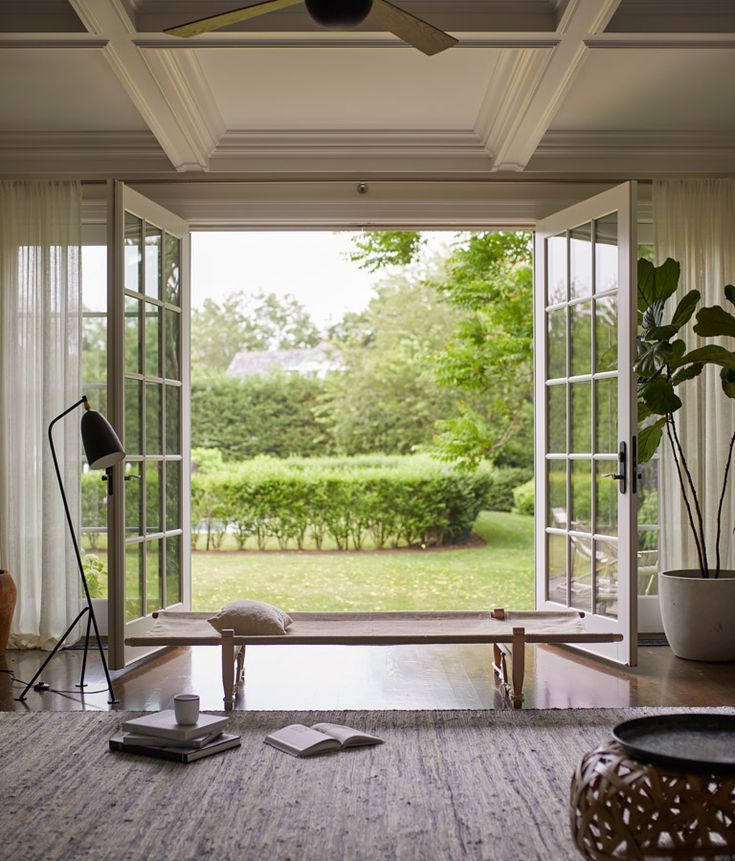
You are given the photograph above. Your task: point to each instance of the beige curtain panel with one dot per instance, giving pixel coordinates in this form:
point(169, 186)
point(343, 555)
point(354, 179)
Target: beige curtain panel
point(40, 341)
point(694, 222)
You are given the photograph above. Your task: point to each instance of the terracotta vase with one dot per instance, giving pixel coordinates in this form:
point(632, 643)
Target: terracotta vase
point(8, 594)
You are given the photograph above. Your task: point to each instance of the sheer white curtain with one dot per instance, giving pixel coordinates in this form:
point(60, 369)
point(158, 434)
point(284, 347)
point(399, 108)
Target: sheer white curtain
point(694, 222)
point(40, 338)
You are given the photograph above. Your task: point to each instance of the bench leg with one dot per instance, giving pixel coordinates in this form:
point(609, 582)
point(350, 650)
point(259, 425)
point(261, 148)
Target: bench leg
point(228, 672)
point(519, 658)
point(512, 685)
point(240, 668)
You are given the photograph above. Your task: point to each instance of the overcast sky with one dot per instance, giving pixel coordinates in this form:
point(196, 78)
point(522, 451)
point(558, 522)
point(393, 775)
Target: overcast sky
point(311, 265)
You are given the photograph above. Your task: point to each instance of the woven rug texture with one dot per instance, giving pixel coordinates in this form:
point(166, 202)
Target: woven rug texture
point(446, 785)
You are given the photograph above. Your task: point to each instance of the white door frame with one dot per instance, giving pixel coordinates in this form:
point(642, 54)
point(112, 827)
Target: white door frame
point(125, 200)
point(621, 199)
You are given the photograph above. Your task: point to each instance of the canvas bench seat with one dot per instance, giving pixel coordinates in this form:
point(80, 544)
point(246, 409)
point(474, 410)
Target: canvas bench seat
point(508, 633)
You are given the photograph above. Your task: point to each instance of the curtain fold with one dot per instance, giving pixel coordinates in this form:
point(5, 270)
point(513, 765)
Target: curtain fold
point(40, 375)
point(694, 222)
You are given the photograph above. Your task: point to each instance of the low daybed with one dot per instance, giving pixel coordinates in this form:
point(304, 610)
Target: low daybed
point(508, 632)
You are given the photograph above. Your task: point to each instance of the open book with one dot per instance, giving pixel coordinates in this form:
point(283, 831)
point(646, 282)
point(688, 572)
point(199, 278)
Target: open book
point(300, 740)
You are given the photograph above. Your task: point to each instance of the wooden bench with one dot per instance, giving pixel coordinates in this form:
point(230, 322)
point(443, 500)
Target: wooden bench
point(508, 633)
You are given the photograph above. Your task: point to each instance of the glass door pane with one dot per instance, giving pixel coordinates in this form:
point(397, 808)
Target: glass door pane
point(153, 400)
point(585, 331)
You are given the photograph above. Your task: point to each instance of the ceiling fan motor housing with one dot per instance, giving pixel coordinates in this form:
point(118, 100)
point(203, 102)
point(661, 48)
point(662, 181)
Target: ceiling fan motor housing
point(339, 13)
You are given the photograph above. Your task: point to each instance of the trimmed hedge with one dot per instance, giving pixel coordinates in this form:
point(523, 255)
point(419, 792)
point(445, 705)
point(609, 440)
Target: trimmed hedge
point(391, 501)
point(523, 497)
point(504, 482)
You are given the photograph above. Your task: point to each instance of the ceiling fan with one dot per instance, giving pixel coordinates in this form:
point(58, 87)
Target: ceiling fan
point(335, 14)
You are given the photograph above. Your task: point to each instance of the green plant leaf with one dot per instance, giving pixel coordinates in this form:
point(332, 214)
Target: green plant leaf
point(715, 321)
point(648, 359)
point(649, 439)
point(646, 281)
point(727, 375)
point(687, 373)
point(652, 318)
point(711, 355)
point(660, 397)
point(644, 411)
point(685, 309)
point(662, 333)
point(730, 293)
point(676, 353)
point(666, 279)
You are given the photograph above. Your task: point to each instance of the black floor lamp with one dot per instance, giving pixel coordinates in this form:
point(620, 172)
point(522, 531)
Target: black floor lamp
point(103, 449)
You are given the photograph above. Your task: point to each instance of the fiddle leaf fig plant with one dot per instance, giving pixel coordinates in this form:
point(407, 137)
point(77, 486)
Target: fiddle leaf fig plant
point(663, 364)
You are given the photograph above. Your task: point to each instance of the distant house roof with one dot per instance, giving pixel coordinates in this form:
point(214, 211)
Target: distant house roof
point(307, 360)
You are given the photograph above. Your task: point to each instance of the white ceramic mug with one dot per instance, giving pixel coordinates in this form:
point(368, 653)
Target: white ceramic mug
point(186, 708)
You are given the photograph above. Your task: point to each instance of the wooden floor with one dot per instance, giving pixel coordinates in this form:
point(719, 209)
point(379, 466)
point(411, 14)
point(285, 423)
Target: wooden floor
point(391, 677)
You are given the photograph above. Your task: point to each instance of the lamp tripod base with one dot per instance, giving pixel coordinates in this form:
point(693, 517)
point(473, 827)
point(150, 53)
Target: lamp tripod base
point(91, 623)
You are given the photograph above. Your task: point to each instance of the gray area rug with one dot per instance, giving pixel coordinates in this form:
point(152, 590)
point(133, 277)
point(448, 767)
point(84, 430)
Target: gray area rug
point(445, 785)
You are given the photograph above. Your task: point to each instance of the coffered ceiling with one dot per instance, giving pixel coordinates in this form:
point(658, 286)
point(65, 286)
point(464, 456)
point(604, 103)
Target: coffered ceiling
point(583, 89)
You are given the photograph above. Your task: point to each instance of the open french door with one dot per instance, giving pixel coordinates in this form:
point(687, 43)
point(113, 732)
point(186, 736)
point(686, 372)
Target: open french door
point(586, 471)
point(149, 404)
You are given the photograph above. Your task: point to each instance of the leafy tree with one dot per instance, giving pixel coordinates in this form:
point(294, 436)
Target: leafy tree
point(260, 322)
point(386, 397)
point(487, 361)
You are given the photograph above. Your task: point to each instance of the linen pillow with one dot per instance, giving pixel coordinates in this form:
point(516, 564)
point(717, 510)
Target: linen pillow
point(251, 618)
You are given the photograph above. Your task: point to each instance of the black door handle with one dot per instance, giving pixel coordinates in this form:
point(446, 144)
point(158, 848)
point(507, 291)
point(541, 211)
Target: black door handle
point(621, 476)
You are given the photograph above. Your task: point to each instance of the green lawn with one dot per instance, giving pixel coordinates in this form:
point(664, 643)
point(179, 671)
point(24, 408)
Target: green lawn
point(499, 574)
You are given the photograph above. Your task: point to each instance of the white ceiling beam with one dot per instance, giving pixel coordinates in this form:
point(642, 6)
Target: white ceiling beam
point(661, 40)
point(324, 39)
point(51, 40)
point(535, 87)
point(170, 94)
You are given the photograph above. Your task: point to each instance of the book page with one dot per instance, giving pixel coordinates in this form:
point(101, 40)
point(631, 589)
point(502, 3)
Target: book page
point(297, 738)
point(347, 736)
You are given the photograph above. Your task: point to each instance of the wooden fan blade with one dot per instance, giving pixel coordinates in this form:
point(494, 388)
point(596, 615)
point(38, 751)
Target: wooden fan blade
point(411, 29)
point(215, 22)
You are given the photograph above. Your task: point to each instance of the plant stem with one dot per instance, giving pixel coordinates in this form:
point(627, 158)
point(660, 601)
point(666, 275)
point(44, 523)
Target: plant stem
point(722, 502)
point(669, 422)
point(705, 568)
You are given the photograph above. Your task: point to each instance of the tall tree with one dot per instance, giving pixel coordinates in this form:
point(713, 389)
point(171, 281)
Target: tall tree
point(487, 361)
point(263, 321)
point(386, 397)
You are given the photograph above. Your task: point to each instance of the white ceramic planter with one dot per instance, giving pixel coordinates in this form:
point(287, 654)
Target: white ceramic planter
point(698, 614)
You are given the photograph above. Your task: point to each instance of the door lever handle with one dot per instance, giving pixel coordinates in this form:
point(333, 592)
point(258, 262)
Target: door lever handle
point(621, 476)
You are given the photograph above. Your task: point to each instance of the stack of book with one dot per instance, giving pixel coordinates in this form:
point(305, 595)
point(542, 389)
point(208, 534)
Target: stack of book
point(159, 735)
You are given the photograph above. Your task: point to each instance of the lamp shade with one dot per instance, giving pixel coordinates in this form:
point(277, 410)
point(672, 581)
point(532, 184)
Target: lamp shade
point(101, 444)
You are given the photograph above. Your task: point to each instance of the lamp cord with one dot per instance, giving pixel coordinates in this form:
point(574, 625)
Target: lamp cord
point(16, 681)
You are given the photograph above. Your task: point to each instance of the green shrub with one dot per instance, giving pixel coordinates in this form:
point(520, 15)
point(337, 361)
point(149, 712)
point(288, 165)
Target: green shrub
point(523, 497)
point(391, 500)
point(259, 415)
point(94, 506)
point(504, 482)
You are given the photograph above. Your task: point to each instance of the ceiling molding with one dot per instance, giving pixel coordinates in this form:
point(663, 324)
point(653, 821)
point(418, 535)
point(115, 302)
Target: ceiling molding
point(546, 83)
point(505, 101)
point(52, 40)
point(636, 152)
point(184, 83)
point(163, 105)
point(678, 41)
point(265, 205)
point(360, 150)
point(323, 39)
point(82, 153)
